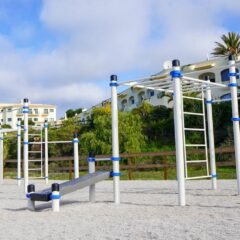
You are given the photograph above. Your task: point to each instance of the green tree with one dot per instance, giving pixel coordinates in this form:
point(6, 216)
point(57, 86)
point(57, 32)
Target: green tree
point(71, 113)
point(230, 45)
point(99, 137)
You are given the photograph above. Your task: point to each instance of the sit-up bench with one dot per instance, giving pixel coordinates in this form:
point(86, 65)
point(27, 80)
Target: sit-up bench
point(57, 190)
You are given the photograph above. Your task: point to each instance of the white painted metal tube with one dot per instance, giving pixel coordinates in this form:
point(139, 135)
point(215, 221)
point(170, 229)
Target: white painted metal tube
point(211, 138)
point(115, 140)
point(1, 157)
point(46, 150)
point(19, 152)
point(91, 169)
point(55, 197)
point(50, 142)
point(178, 126)
point(25, 142)
point(76, 156)
point(102, 159)
point(235, 117)
point(204, 82)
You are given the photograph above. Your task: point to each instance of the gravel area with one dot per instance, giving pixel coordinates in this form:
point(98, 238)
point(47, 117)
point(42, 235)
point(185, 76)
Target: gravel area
point(148, 210)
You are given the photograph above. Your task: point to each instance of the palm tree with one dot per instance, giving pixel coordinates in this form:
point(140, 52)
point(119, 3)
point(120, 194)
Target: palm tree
point(230, 45)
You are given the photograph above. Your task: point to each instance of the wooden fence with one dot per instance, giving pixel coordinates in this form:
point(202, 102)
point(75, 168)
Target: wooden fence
point(129, 164)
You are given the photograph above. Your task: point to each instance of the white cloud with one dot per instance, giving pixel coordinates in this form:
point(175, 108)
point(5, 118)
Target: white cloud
point(104, 37)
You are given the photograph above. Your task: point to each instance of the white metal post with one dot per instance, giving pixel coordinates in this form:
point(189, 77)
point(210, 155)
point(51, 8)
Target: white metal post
point(91, 169)
point(25, 142)
point(46, 150)
point(178, 126)
point(211, 137)
point(1, 156)
point(115, 141)
point(19, 152)
point(235, 115)
point(55, 197)
point(76, 156)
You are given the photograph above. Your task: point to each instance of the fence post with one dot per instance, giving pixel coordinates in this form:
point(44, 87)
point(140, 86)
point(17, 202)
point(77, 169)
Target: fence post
point(129, 168)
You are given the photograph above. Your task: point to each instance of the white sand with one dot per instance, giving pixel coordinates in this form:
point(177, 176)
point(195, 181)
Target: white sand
point(148, 211)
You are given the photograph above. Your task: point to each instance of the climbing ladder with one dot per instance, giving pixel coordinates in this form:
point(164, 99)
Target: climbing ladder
point(190, 146)
point(36, 153)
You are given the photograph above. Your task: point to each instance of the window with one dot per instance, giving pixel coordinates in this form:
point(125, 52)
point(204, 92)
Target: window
point(9, 109)
point(30, 111)
point(224, 75)
point(35, 110)
point(45, 111)
point(124, 104)
point(35, 119)
point(160, 94)
point(19, 119)
point(207, 75)
point(9, 119)
point(1, 120)
point(51, 119)
point(150, 93)
point(131, 100)
point(51, 110)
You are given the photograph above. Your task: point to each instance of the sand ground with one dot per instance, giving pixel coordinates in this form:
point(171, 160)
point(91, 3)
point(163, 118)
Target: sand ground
point(148, 210)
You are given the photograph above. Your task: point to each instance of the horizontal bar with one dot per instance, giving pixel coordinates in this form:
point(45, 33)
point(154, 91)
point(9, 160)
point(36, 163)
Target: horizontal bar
point(205, 82)
point(34, 151)
point(34, 134)
point(34, 143)
point(33, 160)
point(195, 129)
point(50, 142)
point(192, 98)
point(195, 145)
point(36, 178)
point(196, 161)
point(199, 177)
point(102, 159)
point(195, 114)
point(34, 169)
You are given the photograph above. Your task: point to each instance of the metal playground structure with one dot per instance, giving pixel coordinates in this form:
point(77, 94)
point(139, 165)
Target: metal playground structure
point(180, 85)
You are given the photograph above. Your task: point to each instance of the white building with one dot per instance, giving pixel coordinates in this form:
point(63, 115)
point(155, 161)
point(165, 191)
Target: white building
point(10, 113)
point(215, 68)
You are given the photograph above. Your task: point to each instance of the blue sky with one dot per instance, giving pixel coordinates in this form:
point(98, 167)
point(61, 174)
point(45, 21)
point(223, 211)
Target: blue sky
point(63, 51)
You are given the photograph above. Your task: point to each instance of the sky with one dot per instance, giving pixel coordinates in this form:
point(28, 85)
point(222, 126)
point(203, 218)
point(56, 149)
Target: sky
point(63, 52)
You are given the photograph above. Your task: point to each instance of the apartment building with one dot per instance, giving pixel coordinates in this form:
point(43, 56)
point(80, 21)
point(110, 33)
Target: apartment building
point(10, 113)
point(216, 69)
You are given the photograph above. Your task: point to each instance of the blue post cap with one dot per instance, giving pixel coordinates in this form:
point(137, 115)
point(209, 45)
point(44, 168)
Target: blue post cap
point(55, 187)
point(231, 57)
point(91, 154)
point(75, 135)
point(30, 188)
point(25, 100)
point(113, 78)
point(175, 63)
